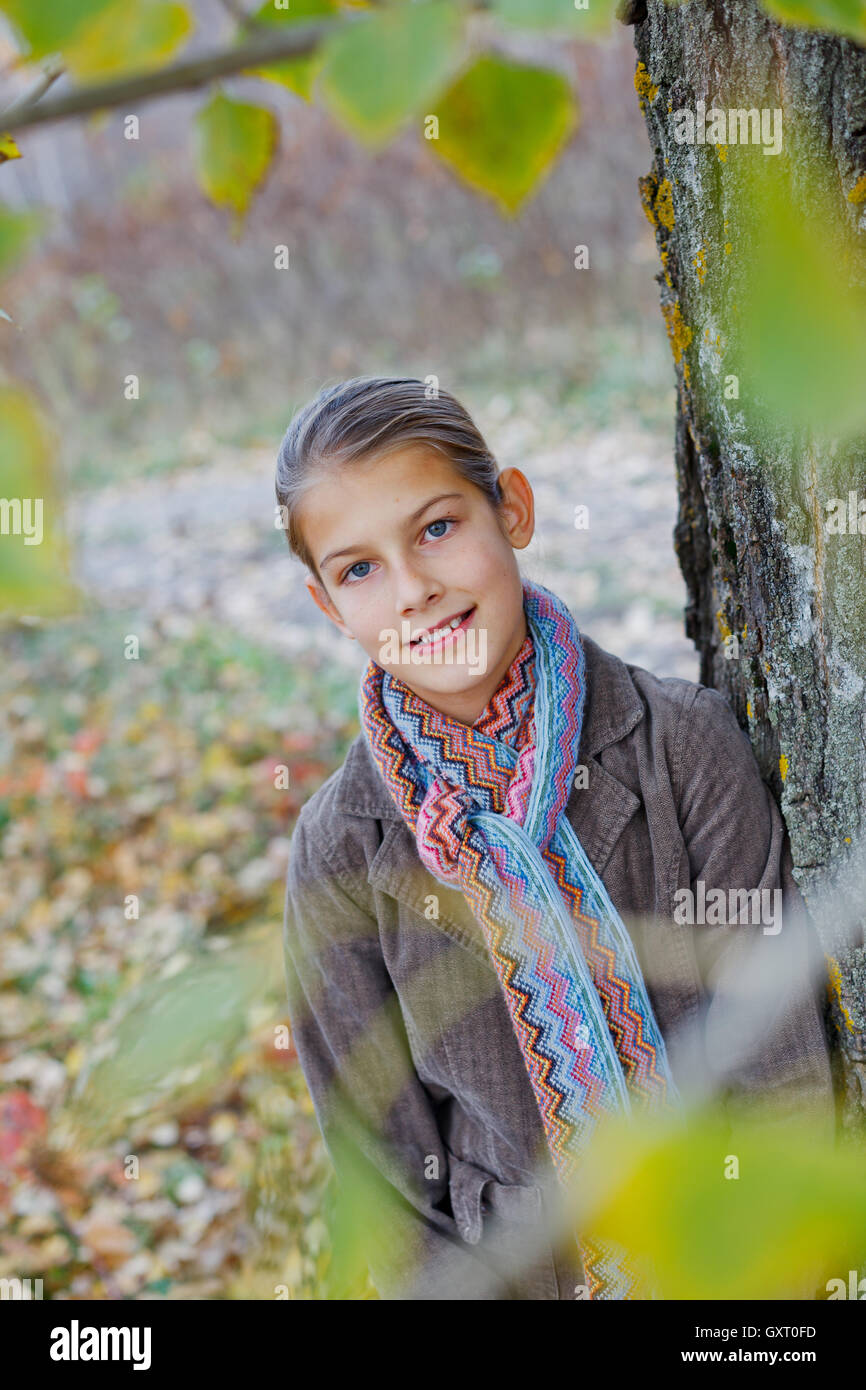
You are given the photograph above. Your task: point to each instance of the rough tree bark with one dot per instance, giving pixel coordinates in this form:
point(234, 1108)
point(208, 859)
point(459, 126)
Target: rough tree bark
point(750, 535)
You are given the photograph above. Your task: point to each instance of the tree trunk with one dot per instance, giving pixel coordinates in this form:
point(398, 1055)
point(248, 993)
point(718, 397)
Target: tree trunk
point(775, 606)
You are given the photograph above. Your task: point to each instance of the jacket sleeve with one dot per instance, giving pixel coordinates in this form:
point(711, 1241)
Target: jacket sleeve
point(761, 966)
point(377, 1119)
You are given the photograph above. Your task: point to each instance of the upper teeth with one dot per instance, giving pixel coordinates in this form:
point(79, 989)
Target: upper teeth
point(431, 636)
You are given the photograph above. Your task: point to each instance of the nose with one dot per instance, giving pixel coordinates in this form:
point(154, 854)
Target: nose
point(414, 590)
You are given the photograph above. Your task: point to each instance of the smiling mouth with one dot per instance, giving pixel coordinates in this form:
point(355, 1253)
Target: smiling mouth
point(433, 636)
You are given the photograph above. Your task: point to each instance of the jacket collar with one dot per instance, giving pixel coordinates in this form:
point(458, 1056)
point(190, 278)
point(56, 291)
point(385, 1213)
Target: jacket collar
point(612, 709)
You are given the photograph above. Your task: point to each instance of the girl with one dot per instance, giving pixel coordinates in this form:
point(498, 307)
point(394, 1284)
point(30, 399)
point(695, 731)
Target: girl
point(466, 998)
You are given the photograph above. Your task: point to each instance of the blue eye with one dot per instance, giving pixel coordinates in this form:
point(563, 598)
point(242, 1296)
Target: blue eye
point(442, 521)
point(354, 567)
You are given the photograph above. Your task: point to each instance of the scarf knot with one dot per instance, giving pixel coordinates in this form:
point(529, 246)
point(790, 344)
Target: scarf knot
point(443, 815)
point(441, 828)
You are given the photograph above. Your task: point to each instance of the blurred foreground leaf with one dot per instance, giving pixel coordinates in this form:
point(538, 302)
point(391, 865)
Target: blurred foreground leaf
point(16, 229)
point(129, 38)
point(379, 71)
point(298, 12)
point(834, 16)
point(367, 1223)
point(101, 37)
point(34, 561)
point(502, 124)
point(298, 74)
point(595, 18)
point(802, 315)
point(793, 1217)
point(48, 29)
point(8, 149)
point(175, 1037)
point(235, 143)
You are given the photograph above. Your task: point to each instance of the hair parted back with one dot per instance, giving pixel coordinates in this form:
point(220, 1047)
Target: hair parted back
point(367, 417)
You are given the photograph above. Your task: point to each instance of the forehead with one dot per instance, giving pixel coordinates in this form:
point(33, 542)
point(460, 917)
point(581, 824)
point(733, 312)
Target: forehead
point(382, 490)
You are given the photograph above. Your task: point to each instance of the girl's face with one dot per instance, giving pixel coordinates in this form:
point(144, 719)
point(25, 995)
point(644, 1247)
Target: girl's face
point(404, 545)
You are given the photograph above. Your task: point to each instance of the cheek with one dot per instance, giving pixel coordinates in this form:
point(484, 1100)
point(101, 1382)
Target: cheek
point(477, 557)
point(365, 610)
point(492, 562)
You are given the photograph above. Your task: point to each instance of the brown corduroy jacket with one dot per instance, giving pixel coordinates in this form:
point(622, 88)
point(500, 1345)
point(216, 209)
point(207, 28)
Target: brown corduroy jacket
point(402, 1031)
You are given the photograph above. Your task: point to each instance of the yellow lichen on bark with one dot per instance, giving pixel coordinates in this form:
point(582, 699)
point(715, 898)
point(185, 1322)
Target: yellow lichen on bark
point(643, 83)
point(648, 188)
point(836, 990)
point(664, 204)
point(657, 201)
point(858, 192)
point(679, 333)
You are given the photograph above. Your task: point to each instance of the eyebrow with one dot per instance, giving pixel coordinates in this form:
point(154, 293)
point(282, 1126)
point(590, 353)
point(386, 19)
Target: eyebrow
point(351, 549)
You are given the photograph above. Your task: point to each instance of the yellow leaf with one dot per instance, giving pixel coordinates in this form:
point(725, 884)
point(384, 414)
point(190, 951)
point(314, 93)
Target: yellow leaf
point(298, 74)
point(501, 125)
point(129, 38)
point(235, 143)
point(8, 148)
point(728, 1203)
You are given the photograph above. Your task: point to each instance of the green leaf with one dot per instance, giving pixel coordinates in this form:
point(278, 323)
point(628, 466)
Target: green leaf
point(49, 28)
point(171, 1038)
point(235, 143)
point(595, 18)
point(380, 70)
point(34, 567)
point(366, 1219)
point(298, 74)
point(298, 12)
point(502, 124)
point(129, 38)
point(802, 312)
point(16, 229)
point(101, 37)
point(794, 1216)
point(834, 16)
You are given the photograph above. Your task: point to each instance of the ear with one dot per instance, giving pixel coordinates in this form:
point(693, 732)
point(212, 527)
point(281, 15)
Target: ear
point(321, 600)
point(518, 507)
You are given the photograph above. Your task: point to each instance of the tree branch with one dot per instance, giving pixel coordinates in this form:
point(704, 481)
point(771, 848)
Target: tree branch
point(258, 51)
point(47, 77)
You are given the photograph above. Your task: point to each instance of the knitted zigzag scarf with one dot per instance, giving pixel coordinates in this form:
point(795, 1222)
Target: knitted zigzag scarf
point(487, 806)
